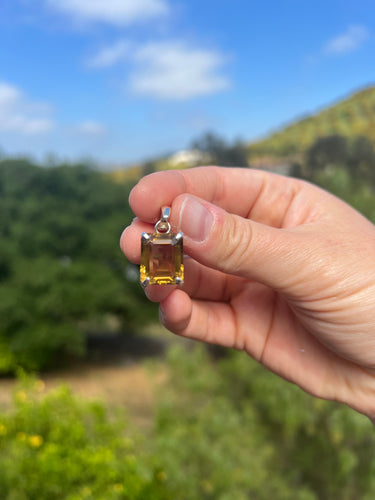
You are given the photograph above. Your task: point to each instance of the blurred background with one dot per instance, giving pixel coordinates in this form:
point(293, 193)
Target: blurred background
point(97, 400)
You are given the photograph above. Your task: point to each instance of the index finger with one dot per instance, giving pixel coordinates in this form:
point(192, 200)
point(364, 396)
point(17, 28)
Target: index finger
point(263, 196)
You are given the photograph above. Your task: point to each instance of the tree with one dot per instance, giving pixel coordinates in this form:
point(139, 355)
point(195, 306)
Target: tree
point(361, 160)
point(61, 270)
point(220, 152)
point(355, 155)
point(326, 151)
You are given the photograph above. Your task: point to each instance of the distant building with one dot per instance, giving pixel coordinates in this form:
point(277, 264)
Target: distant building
point(189, 157)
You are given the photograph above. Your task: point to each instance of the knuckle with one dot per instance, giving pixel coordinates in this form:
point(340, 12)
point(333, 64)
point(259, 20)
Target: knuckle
point(236, 243)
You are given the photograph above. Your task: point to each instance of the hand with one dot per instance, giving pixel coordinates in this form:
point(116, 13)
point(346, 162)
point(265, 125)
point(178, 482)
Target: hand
point(277, 267)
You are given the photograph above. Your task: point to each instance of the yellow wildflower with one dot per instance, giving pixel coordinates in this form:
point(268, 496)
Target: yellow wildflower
point(21, 396)
point(40, 385)
point(35, 441)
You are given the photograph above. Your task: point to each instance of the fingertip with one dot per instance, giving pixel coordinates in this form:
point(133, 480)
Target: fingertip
point(158, 293)
point(154, 191)
point(130, 240)
point(123, 239)
point(175, 311)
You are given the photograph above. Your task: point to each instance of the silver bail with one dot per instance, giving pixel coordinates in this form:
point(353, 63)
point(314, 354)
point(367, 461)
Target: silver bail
point(165, 213)
point(163, 226)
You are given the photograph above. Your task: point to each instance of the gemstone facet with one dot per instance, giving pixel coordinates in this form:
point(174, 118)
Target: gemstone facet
point(161, 259)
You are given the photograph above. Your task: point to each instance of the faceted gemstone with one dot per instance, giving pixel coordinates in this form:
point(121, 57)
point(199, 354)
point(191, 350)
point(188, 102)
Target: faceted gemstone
point(161, 259)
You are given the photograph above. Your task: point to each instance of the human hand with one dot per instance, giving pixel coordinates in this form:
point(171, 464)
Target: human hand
point(278, 268)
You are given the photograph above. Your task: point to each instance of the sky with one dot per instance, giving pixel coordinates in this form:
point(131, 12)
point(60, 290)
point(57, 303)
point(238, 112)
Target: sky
point(123, 81)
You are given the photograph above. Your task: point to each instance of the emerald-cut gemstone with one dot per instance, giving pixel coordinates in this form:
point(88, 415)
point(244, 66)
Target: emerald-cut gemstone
point(161, 259)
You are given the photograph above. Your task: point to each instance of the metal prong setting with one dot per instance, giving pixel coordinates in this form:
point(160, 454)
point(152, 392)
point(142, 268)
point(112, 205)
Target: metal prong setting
point(146, 236)
point(176, 238)
point(145, 282)
point(179, 281)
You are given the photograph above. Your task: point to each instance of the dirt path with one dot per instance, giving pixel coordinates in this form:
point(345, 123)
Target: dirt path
point(131, 387)
point(119, 379)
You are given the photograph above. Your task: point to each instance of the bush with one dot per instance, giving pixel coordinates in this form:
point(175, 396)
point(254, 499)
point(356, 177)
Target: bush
point(232, 430)
point(56, 446)
point(224, 430)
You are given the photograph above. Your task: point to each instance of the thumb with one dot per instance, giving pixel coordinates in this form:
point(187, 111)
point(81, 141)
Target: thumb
point(239, 246)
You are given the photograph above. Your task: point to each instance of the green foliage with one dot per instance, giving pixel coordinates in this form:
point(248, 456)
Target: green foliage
point(345, 167)
point(356, 155)
point(355, 191)
point(224, 430)
point(56, 446)
point(327, 447)
point(207, 149)
point(219, 152)
point(351, 117)
point(233, 430)
point(61, 270)
point(330, 150)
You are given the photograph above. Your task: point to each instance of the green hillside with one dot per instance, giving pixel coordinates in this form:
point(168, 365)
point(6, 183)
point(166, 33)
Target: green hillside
point(350, 117)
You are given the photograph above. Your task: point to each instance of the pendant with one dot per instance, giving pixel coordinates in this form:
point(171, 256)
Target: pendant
point(162, 255)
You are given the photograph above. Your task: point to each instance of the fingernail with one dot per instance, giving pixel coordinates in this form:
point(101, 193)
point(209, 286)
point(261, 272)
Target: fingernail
point(195, 220)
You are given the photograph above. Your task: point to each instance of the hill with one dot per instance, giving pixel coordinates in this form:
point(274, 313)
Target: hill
point(350, 117)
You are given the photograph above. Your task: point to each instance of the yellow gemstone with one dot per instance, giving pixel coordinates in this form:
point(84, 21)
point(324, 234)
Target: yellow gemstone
point(161, 259)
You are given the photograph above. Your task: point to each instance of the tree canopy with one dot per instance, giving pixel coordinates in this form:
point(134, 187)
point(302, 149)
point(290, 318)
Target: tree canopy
point(61, 270)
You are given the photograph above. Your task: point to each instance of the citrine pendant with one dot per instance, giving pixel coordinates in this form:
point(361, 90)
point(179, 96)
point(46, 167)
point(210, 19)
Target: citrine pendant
point(162, 255)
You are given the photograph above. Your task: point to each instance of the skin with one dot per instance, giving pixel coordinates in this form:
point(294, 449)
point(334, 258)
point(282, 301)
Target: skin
point(277, 267)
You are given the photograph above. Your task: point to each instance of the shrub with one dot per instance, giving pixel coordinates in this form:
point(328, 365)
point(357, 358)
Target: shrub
point(232, 430)
point(56, 446)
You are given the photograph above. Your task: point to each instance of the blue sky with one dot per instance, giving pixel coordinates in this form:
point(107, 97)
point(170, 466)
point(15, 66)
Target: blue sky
point(124, 80)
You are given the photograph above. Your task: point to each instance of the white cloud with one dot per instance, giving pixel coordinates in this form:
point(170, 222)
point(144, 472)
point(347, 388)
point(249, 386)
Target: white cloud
point(20, 115)
point(117, 12)
point(353, 38)
point(109, 56)
point(91, 128)
point(172, 70)
point(8, 96)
